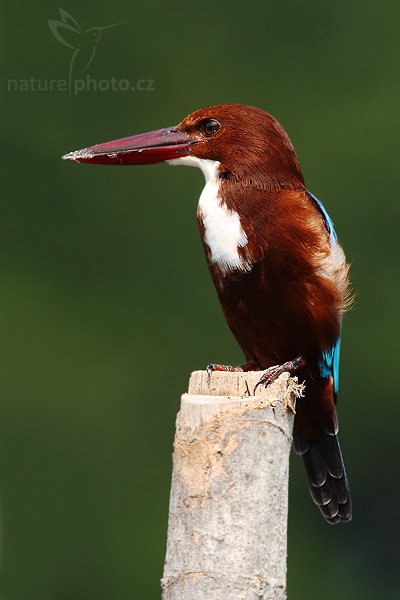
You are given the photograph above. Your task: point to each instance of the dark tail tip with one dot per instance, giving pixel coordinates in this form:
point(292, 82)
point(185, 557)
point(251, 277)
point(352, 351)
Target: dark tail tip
point(327, 479)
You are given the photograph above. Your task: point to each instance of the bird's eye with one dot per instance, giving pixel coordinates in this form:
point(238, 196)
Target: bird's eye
point(210, 127)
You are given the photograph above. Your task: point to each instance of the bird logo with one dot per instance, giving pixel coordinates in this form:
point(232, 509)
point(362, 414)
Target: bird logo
point(83, 43)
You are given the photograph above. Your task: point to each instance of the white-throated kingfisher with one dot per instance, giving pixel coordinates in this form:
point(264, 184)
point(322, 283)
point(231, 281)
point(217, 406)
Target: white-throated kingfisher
point(278, 268)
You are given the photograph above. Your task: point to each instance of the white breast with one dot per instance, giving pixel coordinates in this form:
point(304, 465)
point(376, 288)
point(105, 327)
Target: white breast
point(223, 232)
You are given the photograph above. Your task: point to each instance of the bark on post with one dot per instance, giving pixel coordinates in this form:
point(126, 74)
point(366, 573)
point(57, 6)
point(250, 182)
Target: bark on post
point(229, 496)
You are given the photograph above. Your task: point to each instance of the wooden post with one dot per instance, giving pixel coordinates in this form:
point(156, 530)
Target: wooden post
point(229, 496)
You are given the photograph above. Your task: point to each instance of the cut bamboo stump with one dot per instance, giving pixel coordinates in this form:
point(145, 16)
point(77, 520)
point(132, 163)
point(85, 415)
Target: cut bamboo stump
point(228, 509)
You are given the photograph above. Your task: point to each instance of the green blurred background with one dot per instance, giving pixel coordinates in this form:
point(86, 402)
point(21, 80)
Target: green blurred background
point(105, 295)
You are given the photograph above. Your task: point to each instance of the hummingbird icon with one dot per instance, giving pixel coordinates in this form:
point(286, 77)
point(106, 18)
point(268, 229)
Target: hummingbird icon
point(83, 43)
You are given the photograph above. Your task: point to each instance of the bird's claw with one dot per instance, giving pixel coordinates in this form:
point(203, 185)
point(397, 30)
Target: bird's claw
point(267, 377)
point(225, 368)
point(272, 374)
point(249, 366)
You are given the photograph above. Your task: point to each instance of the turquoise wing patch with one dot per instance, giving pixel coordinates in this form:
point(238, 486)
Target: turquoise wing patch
point(328, 221)
point(329, 365)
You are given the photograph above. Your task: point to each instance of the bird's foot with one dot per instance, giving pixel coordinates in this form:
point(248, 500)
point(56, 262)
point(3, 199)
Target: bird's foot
point(271, 374)
point(248, 366)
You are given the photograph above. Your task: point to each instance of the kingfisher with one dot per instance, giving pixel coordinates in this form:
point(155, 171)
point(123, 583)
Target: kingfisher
point(279, 270)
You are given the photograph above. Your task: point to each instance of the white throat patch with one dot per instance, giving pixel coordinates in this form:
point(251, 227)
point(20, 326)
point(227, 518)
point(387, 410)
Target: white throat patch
point(223, 232)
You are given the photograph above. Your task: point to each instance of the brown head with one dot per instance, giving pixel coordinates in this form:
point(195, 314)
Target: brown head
point(249, 143)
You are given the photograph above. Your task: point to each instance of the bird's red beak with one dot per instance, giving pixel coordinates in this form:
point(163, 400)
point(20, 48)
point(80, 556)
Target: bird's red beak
point(145, 148)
